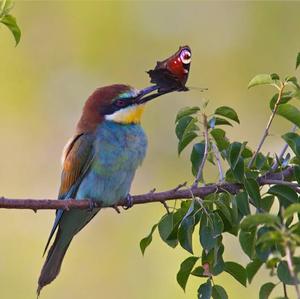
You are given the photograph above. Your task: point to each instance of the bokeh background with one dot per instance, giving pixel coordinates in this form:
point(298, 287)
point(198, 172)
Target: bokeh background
point(66, 51)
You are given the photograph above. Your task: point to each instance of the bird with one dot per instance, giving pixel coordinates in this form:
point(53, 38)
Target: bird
point(99, 163)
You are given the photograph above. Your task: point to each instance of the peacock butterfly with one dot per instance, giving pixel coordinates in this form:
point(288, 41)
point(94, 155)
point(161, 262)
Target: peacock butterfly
point(172, 73)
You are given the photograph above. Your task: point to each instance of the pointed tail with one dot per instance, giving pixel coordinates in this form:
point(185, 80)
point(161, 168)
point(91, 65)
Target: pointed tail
point(54, 260)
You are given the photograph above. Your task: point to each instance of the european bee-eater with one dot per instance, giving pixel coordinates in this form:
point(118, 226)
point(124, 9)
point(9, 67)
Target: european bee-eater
point(99, 163)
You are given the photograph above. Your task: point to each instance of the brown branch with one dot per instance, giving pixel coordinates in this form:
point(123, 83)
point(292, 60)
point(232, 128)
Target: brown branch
point(150, 197)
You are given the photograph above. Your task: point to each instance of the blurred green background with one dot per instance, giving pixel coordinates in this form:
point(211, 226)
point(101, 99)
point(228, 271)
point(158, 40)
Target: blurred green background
point(68, 49)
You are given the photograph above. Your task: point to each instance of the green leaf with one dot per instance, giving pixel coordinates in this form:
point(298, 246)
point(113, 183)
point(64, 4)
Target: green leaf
point(199, 272)
point(262, 253)
point(218, 263)
point(292, 80)
point(225, 210)
point(165, 227)
point(283, 273)
point(243, 203)
point(247, 241)
point(205, 290)
point(177, 218)
point(220, 139)
point(218, 225)
point(262, 79)
point(206, 231)
point(252, 189)
point(285, 192)
point(10, 22)
point(266, 290)
point(227, 112)
point(285, 98)
point(219, 292)
point(234, 153)
point(290, 210)
point(197, 156)
point(211, 227)
point(298, 60)
point(293, 140)
point(252, 221)
point(290, 113)
point(270, 239)
point(236, 271)
point(267, 202)
point(275, 76)
point(145, 242)
point(239, 170)
point(297, 173)
point(186, 111)
point(186, 140)
point(185, 270)
point(185, 125)
point(252, 269)
point(218, 121)
point(185, 233)
point(234, 212)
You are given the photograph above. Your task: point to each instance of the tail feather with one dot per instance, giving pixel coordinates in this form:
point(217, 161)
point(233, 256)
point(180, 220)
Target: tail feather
point(53, 261)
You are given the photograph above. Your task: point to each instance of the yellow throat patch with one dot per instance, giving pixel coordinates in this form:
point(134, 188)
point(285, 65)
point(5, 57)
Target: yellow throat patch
point(128, 115)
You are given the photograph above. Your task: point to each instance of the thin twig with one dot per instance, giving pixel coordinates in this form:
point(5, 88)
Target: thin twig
point(218, 158)
point(285, 290)
point(165, 206)
point(291, 269)
point(206, 140)
point(266, 131)
point(180, 186)
point(284, 149)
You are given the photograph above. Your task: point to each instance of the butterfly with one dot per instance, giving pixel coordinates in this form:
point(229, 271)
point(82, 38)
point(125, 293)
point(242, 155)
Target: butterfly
point(172, 73)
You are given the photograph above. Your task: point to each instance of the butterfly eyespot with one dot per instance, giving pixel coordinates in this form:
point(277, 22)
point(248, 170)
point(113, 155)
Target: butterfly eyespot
point(185, 56)
point(120, 103)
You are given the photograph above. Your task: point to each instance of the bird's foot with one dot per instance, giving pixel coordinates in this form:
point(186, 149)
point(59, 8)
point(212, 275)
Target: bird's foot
point(129, 202)
point(92, 204)
point(116, 208)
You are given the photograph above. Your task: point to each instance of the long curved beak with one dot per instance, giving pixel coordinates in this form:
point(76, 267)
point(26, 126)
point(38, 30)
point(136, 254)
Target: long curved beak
point(145, 94)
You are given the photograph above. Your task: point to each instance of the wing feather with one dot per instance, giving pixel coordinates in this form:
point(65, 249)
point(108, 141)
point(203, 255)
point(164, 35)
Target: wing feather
point(78, 156)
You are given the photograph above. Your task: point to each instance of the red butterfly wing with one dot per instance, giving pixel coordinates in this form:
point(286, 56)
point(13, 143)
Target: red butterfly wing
point(172, 73)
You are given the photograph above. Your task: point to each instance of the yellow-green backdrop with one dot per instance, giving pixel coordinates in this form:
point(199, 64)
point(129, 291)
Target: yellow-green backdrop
point(66, 51)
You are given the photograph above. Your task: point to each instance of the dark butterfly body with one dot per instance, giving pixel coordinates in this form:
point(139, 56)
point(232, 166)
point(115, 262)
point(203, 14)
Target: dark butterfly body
point(172, 73)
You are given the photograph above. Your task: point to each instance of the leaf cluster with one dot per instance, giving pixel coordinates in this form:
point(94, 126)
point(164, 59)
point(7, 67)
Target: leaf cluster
point(265, 222)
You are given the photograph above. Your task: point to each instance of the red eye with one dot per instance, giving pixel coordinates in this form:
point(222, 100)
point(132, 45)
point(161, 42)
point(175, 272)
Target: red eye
point(120, 103)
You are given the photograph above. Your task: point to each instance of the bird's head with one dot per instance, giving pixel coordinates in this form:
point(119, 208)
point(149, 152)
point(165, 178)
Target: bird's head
point(119, 103)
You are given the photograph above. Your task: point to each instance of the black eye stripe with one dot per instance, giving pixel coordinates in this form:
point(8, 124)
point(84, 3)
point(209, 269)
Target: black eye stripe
point(121, 103)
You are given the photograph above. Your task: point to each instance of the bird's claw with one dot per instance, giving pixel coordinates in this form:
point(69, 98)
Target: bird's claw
point(129, 202)
point(92, 204)
point(116, 208)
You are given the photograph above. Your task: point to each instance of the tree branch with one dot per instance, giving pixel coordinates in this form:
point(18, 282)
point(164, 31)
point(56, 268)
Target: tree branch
point(266, 131)
point(150, 197)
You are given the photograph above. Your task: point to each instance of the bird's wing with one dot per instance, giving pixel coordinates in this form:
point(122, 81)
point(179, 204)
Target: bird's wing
point(78, 157)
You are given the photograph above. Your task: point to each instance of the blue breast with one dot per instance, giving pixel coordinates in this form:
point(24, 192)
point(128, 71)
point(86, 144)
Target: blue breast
point(119, 150)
